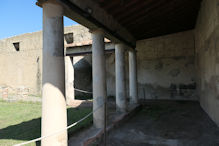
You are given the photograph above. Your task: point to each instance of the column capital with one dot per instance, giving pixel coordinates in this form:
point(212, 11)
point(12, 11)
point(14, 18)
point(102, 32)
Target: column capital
point(133, 50)
point(124, 46)
point(41, 2)
point(120, 45)
point(97, 31)
point(52, 9)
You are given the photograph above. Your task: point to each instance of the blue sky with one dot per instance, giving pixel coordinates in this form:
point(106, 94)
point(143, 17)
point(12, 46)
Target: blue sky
point(21, 16)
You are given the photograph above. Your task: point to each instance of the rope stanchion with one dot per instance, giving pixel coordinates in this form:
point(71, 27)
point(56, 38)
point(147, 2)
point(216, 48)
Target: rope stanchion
point(61, 130)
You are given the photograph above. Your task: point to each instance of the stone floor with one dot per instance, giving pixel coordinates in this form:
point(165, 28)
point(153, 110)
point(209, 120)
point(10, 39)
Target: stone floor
point(81, 137)
point(166, 123)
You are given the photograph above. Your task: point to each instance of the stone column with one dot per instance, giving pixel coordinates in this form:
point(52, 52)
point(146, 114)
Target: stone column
point(133, 92)
point(99, 77)
point(121, 103)
point(69, 79)
point(54, 115)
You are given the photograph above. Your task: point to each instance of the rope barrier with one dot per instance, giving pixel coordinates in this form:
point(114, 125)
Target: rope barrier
point(79, 90)
point(59, 131)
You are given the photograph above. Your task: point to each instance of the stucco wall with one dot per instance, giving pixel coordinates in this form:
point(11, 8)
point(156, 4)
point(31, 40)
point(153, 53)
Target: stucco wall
point(21, 71)
point(207, 57)
point(166, 67)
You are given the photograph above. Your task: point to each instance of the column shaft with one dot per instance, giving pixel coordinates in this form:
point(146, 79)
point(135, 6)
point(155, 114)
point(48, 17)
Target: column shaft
point(99, 78)
point(69, 79)
point(121, 103)
point(133, 93)
point(54, 115)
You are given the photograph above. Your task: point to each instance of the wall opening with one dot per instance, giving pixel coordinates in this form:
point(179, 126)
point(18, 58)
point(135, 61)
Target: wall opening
point(69, 38)
point(17, 46)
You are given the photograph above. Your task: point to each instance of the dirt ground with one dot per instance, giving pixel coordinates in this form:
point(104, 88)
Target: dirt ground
point(166, 123)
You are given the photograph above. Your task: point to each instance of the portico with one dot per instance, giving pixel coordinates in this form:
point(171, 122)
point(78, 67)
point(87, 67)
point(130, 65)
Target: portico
point(54, 77)
point(125, 24)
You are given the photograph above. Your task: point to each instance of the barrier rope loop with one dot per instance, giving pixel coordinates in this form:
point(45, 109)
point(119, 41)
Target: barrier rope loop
point(66, 128)
point(79, 90)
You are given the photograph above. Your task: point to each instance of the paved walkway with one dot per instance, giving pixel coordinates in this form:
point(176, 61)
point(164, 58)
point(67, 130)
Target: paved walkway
point(167, 123)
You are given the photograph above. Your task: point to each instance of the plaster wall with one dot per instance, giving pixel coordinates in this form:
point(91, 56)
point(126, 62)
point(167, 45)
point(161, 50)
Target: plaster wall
point(165, 68)
point(207, 57)
point(165, 65)
point(21, 71)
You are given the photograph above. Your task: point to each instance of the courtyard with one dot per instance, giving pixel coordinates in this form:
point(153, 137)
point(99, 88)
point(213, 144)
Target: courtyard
point(21, 121)
point(150, 69)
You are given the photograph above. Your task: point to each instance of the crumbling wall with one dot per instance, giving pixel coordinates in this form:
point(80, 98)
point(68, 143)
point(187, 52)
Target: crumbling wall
point(207, 57)
point(81, 34)
point(166, 67)
point(21, 70)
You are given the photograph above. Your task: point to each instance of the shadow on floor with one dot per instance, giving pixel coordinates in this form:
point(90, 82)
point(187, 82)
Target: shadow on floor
point(166, 123)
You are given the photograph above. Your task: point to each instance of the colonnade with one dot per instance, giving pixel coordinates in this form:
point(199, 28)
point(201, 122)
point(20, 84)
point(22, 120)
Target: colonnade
point(54, 115)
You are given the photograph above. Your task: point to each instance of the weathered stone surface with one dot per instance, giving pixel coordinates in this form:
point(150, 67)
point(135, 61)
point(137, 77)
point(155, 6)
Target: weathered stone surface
point(161, 61)
point(154, 78)
point(23, 68)
point(206, 42)
point(165, 61)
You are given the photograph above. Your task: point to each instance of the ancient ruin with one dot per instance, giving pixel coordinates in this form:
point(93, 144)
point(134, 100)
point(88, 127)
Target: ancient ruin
point(135, 51)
